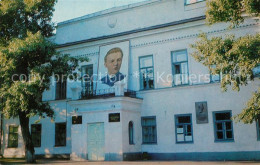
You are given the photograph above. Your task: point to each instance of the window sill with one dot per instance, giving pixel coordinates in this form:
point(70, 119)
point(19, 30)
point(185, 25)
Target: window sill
point(60, 146)
point(12, 147)
point(224, 141)
point(185, 142)
point(149, 143)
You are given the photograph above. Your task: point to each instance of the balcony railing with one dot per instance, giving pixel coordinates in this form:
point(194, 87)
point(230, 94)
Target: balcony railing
point(103, 93)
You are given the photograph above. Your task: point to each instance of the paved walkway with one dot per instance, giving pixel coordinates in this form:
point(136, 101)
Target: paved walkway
point(68, 162)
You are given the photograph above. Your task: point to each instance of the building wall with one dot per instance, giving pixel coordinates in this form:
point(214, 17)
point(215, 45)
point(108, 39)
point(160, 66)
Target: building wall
point(163, 102)
point(132, 17)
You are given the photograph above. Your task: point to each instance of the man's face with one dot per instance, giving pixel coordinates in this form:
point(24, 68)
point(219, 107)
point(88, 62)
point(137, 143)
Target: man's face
point(113, 62)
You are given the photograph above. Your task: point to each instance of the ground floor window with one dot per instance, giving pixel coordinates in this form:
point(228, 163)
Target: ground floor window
point(183, 128)
point(223, 126)
point(13, 136)
point(131, 132)
point(36, 131)
point(60, 134)
point(149, 130)
point(258, 127)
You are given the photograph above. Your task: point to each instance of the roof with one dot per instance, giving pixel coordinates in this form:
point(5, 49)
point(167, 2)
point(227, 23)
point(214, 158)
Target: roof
point(108, 11)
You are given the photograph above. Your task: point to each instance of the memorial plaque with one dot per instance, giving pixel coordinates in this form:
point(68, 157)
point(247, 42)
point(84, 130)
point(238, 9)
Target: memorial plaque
point(76, 119)
point(114, 117)
point(201, 112)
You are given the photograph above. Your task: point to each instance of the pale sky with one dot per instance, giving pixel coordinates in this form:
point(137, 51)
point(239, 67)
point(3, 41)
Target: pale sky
point(68, 9)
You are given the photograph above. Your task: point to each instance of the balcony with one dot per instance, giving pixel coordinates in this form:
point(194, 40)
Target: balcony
point(105, 93)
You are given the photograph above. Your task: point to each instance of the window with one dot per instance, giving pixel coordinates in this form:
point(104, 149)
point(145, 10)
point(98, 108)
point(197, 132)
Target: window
point(61, 87)
point(60, 134)
point(87, 80)
point(183, 128)
point(223, 126)
point(256, 71)
point(258, 127)
point(180, 67)
point(214, 77)
point(13, 137)
point(131, 132)
point(149, 130)
point(36, 131)
point(146, 72)
point(187, 2)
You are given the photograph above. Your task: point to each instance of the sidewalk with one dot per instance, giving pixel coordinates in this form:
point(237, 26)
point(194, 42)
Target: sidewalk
point(69, 162)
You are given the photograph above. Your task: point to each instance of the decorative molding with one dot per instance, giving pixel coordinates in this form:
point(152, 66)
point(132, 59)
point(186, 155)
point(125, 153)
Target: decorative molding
point(194, 19)
point(86, 55)
point(155, 42)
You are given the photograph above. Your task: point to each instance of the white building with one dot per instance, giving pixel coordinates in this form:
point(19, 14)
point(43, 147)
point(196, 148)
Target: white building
point(184, 116)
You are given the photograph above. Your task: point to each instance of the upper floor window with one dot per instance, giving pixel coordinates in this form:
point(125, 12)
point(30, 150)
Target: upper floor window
point(183, 128)
point(36, 132)
point(87, 80)
point(180, 67)
point(256, 71)
point(13, 137)
point(223, 126)
point(187, 2)
point(149, 130)
point(61, 87)
point(131, 132)
point(214, 77)
point(146, 72)
point(60, 134)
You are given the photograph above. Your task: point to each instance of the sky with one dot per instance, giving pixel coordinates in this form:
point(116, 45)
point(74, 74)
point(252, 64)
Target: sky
point(68, 9)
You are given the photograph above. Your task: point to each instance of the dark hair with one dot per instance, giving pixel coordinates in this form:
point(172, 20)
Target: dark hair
point(114, 50)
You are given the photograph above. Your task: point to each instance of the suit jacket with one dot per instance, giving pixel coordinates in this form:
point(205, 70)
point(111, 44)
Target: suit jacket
point(111, 81)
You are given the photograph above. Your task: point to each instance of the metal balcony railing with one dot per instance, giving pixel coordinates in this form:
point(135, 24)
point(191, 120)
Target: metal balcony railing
point(103, 93)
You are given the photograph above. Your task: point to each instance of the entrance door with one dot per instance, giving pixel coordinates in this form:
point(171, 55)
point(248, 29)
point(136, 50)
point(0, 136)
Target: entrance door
point(96, 141)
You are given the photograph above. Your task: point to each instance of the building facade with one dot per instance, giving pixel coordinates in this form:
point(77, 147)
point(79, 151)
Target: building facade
point(169, 107)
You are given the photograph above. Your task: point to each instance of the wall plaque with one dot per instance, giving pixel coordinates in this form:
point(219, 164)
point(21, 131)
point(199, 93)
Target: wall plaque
point(114, 117)
point(201, 112)
point(76, 119)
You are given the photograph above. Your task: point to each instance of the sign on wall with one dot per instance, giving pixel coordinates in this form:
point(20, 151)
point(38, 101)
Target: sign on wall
point(113, 65)
point(201, 112)
point(114, 117)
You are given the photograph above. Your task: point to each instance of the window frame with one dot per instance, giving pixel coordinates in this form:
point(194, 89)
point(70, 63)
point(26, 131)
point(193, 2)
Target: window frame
point(155, 126)
point(212, 75)
point(179, 63)
point(16, 133)
point(184, 130)
point(37, 133)
point(139, 59)
point(55, 140)
point(223, 126)
point(131, 136)
point(63, 86)
point(83, 84)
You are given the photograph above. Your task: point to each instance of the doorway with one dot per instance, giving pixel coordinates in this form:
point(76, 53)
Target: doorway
point(96, 141)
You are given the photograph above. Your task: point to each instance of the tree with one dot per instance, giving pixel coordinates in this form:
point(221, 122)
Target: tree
point(27, 62)
point(234, 57)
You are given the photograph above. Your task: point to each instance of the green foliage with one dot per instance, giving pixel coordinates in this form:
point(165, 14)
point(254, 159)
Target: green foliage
point(234, 58)
point(231, 10)
point(26, 53)
point(252, 111)
point(17, 17)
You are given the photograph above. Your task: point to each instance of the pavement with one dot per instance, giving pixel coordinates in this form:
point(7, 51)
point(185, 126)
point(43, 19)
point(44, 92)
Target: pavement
point(70, 162)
